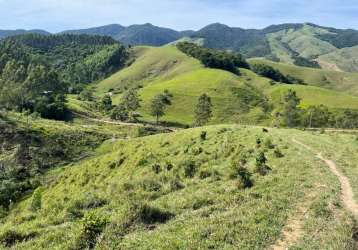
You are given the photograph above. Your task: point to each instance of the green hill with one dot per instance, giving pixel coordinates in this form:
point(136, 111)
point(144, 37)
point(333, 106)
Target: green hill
point(235, 98)
point(330, 79)
point(344, 59)
point(180, 191)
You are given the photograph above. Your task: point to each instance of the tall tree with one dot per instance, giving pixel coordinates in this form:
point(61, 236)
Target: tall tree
point(131, 101)
point(203, 110)
point(291, 111)
point(106, 103)
point(157, 107)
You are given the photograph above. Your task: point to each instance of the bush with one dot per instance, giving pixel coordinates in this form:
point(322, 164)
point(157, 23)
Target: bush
point(203, 135)
point(92, 227)
point(189, 168)
point(261, 166)
point(156, 168)
point(240, 172)
point(36, 201)
point(150, 215)
point(278, 153)
point(268, 144)
point(11, 237)
point(89, 201)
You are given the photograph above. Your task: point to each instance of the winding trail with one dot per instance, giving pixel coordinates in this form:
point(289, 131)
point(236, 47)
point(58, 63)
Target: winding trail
point(294, 226)
point(347, 195)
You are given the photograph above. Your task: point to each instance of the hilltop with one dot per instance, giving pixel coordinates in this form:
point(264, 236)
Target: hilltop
point(236, 98)
point(301, 44)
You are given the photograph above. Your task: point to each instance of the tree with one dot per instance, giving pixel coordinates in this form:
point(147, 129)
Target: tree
point(157, 107)
point(131, 101)
point(120, 113)
point(317, 117)
point(106, 103)
point(85, 95)
point(203, 110)
point(159, 103)
point(291, 111)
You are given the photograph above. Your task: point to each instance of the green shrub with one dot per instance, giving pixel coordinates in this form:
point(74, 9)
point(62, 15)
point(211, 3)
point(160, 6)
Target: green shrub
point(92, 227)
point(89, 201)
point(240, 172)
point(203, 135)
point(36, 201)
point(278, 154)
point(268, 144)
point(261, 166)
point(11, 237)
point(150, 185)
point(189, 168)
point(156, 168)
point(149, 214)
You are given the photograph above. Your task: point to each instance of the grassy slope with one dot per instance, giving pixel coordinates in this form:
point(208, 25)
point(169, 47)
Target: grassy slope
point(345, 59)
point(340, 81)
point(208, 210)
point(152, 64)
point(187, 79)
point(156, 69)
point(302, 41)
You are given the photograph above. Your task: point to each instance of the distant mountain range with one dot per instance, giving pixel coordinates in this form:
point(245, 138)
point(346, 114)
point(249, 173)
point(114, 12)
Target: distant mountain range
point(303, 44)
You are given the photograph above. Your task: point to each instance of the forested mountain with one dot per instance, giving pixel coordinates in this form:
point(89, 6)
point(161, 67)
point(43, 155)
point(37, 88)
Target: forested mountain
point(7, 33)
point(146, 34)
point(299, 44)
point(36, 70)
point(302, 44)
point(107, 30)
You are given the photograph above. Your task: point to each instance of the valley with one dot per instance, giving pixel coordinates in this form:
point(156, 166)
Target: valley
point(141, 137)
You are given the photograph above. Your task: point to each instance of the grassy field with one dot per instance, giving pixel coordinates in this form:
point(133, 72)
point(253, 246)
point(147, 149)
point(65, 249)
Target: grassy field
point(179, 191)
point(334, 80)
point(315, 96)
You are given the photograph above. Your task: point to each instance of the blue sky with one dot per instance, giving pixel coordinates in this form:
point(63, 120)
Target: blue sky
point(57, 15)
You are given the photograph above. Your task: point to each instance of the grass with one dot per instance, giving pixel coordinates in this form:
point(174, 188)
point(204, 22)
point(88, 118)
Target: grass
point(344, 59)
point(334, 80)
point(235, 98)
point(151, 64)
point(142, 189)
point(311, 95)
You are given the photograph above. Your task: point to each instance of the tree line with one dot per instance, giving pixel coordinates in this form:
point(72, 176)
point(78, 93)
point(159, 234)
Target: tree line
point(289, 114)
point(212, 58)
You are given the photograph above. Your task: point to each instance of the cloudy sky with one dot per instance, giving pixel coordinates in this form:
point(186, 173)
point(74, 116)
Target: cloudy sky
point(57, 15)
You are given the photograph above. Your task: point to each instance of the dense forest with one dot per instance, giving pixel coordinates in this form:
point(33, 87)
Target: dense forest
point(36, 70)
point(214, 58)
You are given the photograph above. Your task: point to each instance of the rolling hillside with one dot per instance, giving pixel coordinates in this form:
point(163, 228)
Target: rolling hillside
point(236, 98)
point(330, 79)
point(180, 191)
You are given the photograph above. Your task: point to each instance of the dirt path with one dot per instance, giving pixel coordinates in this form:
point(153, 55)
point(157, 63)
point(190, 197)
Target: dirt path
point(293, 229)
point(347, 195)
point(172, 129)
